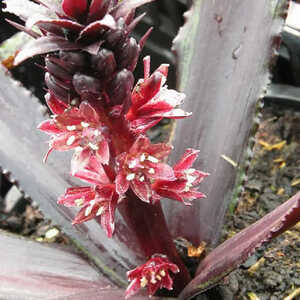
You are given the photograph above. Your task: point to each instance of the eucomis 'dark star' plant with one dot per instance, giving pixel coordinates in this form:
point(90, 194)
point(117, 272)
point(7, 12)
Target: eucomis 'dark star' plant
point(100, 114)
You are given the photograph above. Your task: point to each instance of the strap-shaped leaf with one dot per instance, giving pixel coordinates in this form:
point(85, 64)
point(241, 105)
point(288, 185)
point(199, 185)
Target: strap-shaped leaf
point(34, 271)
point(30, 270)
point(22, 148)
point(233, 252)
point(224, 51)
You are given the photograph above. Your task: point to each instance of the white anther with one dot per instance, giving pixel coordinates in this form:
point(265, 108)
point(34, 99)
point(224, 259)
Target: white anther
point(152, 159)
point(79, 202)
point(190, 171)
point(132, 164)
point(190, 178)
point(162, 273)
point(142, 178)
point(71, 127)
point(151, 171)
point(158, 277)
point(100, 211)
point(85, 124)
point(78, 148)
point(153, 280)
point(142, 157)
point(130, 176)
point(93, 146)
point(70, 140)
point(89, 208)
point(143, 282)
point(96, 132)
point(187, 188)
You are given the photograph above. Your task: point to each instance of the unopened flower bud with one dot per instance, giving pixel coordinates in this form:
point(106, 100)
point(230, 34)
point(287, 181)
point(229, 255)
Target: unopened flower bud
point(129, 54)
point(73, 60)
point(57, 89)
point(85, 85)
point(104, 62)
point(56, 70)
point(120, 88)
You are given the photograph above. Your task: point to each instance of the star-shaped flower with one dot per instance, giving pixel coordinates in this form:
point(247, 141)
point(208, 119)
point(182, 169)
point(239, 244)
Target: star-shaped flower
point(140, 166)
point(79, 129)
point(154, 274)
point(183, 188)
point(152, 100)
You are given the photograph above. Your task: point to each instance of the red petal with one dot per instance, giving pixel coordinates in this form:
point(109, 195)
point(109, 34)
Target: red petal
point(187, 160)
point(91, 177)
point(88, 112)
point(161, 171)
point(103, 152)
point(81, 217)
point(122, 184)
point(75, 8)
point(49, 126)
point(142, 190)
point(170, 194)
point(133, 288)
point(62, 142)
point(108, 218)
point(56, 106)
point(80, 159)
point(160, 151)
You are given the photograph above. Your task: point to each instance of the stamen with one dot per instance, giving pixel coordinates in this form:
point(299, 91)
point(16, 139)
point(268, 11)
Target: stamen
point(190, 178)
point(142, 178)
point(162, 273)
point(190, 171)
point(143, 282)
point(152, 159)
point(89, 208)
point(93, 146)
point(85, 124)
point(132, 164)
point(100, 211)
point(142, 157)
point(78, 148)
point(96, 132)
point(71, 127)
point(130, 176)
point(158, 277)
point(79, 202)
point(70, 140)
point(151, 171)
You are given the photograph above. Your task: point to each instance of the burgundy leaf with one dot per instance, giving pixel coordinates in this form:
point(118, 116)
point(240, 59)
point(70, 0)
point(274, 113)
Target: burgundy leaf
point(23, 28)
point(233, 252)
point(223, 70)
point(30, 270)
point(44, 45)
point(67, 24)
point(108, 22)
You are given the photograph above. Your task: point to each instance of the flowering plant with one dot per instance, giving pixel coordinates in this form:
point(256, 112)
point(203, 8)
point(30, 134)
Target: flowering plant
point(99, 113)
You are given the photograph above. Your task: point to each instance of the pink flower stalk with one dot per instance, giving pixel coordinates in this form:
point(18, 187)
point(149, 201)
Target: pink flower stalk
point(152, 100)
point(182, 188)
point(154, 275)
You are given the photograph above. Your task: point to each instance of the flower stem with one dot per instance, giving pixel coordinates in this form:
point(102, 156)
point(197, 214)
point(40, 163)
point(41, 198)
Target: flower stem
point(149, 225)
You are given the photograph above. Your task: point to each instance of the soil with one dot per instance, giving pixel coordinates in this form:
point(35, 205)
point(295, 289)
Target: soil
point(273, 272)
